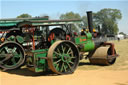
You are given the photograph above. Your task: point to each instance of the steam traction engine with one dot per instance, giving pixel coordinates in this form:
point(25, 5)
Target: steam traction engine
point(44, 45)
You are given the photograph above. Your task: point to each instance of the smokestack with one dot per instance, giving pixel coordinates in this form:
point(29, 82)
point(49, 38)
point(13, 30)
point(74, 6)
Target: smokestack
point(90, 22)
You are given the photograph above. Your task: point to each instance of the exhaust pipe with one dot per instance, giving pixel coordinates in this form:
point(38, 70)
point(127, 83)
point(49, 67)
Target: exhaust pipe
point(90, 22)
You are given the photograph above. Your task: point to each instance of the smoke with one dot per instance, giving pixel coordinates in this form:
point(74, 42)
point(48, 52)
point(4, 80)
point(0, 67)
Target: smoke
point(82, 7)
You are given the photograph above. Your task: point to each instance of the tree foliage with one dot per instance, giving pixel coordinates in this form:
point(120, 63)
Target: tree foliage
point(71, 15)
point(122, 33)
point(85, 22)
point(108, 19)
point(24, 16)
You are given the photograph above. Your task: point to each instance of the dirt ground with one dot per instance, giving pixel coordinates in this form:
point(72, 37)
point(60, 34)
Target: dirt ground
point(86, 74)
point(80, 77)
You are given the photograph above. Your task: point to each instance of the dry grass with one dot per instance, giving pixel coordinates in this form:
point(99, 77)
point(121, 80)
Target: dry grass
point(121, 62)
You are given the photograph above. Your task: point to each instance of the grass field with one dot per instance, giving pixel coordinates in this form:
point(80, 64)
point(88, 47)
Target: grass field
point(120, 64)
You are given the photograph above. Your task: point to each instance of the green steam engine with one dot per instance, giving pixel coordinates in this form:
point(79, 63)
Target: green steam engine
point(42, 45)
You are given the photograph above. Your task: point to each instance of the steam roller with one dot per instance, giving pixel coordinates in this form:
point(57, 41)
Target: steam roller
point(42, 49)
point(103, 56)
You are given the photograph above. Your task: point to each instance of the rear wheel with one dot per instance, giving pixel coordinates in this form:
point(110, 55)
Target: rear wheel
point(56, 34)
point(63, 57)
point(11, 55)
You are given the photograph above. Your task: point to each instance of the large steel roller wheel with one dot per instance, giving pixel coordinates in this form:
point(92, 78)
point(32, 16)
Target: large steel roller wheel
point(63, 57)
point(12, 55)
point(103, 56)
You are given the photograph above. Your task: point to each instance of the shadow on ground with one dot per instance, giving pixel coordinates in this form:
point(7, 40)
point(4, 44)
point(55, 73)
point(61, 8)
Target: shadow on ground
point(88, 64)
point(84, 63)
point(26, 72)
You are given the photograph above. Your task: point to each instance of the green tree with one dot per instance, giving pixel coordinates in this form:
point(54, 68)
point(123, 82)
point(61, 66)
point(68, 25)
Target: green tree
point(85, 22)
point(108, 19)
point(24, 16)
point(122, 33)
point(71, 15)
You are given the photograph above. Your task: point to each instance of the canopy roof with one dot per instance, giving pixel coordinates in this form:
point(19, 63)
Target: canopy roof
point(15, 21)
point(34, 22)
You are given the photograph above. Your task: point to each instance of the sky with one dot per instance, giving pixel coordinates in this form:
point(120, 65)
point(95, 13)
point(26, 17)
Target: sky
point(54, 8)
